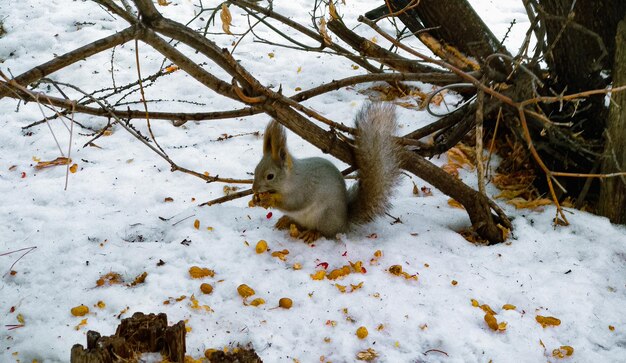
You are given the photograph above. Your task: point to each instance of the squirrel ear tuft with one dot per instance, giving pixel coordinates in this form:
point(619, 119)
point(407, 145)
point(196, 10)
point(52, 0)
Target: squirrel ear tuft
point(275, 143)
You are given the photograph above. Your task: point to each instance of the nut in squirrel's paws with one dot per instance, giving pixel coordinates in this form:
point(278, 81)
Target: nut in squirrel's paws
point(265, 200)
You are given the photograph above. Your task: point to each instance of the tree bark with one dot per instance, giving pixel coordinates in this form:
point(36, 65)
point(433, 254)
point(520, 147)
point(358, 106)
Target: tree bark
point(453, 23)
point(580, 48)
point(612, 203)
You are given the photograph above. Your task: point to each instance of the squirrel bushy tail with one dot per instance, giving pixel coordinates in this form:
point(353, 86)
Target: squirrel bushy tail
point(377, 157)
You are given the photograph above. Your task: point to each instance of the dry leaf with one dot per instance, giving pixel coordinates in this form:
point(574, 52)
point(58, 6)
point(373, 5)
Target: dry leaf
point(139, 279)
point(367, 355)
point(324, 33)
point(226, 19)
point(61, 160)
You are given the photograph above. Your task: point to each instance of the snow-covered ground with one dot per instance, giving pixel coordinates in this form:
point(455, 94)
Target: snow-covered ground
point(113, 218)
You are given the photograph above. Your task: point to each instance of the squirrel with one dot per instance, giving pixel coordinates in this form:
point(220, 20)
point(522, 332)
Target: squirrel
point(312, 193)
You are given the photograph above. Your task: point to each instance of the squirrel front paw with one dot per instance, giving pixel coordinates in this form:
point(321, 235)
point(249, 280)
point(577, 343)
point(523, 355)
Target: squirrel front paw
point(284, 222)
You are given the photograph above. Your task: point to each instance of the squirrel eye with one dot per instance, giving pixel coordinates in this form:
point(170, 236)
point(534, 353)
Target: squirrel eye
point(270, 176)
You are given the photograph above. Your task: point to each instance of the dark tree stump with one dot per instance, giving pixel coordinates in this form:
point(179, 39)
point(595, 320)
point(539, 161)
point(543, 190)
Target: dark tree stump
point(138, 334)
point(612, 202)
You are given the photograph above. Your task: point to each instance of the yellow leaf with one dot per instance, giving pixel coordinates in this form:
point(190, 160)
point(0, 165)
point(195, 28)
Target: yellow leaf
point(226, 19)
point(100, 304)
point(20, 319)
point(80, 310)
point(297, 266)
point(508, 307)
point(73, 168)
point(475, 303)
point(563, 351)
point(341, 288)
point(139, 279)
point(319, 275)
point(196, 224)
point(163, 2)
point(271, 55)
point(332, 10)
point(355, 67)
point(299, 70)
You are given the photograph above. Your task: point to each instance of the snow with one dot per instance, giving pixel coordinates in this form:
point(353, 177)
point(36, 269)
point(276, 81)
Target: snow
point(109, 220)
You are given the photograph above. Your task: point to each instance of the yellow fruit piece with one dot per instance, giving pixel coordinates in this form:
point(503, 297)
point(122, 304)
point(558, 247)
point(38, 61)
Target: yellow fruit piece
point(319, 275)
point(491, 321)
point(486, 308)
point(80, 310)
point(508, 307)
point(563, 351)
point(281, 255)
point(200, 272)
point(256, 302)
point(245, 291)
point(361, 332)
point(81, 324)
point(206, 288)
point(547, 321)
point(261, 246)
point(285, 303)
point(196, 224)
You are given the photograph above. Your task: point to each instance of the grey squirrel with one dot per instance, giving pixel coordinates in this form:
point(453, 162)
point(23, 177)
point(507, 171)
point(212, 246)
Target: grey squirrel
point(312, 193)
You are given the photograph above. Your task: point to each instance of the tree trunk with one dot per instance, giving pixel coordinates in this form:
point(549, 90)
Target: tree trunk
point(581, 47)
point(452, 23)
point(612, 202)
